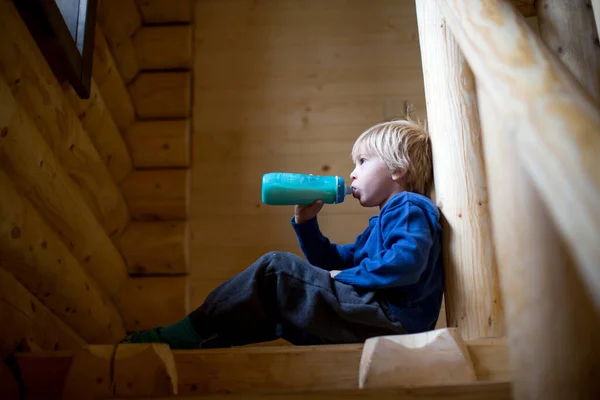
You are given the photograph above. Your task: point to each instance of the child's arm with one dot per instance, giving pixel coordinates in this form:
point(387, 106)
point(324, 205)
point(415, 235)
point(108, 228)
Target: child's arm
point(319, 251)
point(404, 256)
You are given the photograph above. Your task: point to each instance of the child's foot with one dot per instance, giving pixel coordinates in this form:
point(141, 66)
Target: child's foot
point(154, 336)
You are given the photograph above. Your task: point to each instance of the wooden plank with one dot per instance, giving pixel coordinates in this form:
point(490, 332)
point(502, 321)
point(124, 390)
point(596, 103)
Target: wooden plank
point(97, 121)
point(22, 316)
point(111, 85)
point(43, 264)
point(162, 94)
point(32, 167)
point(164, 47)
point(567, 27)
point(119, 20)
point(161, 194)
point(34, 87)
point(148, 302)
point(472, 288)
point(505, 59)
point(267, 369)
point(165, 11)
point(160, 144)
point(156, 248)
point(480, 390)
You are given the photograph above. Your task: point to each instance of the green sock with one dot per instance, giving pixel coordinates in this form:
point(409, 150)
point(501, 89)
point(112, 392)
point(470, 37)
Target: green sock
point(181, 335)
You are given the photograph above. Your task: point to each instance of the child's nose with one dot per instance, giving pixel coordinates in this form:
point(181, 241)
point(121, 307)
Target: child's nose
point(353, 174)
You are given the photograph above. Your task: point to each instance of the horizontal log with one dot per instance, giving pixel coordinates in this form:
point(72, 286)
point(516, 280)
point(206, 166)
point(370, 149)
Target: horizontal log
point(35, 88)
point(22, 316)
point(156, 248)
point(162, 94)
point(263, 369)
point(32, 167)
point(105, 135)
point(160, 144)
point(42, 263)
point(164, 47)
point(165, 11)
point(119, 20)
point(557, 121)
point(148, 302)
point(110, 84)
point(161, 194)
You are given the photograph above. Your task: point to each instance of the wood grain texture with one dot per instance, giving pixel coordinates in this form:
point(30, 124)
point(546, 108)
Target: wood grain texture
point(165, 11)
point(567, 27)
point(32, 167)
point(32, 252)
point(558, 139)
point(35, 88)
point(160, 194)
point(22, 316)
point(160, 144)
point(164, 47)
point(119, 20)
point(148, 302)
point(536, 264)
point(472, 289)
point(162, 94)
point(249, 370)
point(156, 248)
point(111, 85)
point(105, 135)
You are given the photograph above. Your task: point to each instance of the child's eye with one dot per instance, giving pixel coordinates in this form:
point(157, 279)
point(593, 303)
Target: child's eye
point(362, 160)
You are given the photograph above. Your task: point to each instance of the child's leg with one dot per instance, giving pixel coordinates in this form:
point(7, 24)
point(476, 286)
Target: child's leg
point(279, 295)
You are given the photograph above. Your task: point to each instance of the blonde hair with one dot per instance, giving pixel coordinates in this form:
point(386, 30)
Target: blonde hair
point(404, 146)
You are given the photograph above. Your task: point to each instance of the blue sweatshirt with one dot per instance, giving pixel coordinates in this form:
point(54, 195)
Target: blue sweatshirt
point(398, 256)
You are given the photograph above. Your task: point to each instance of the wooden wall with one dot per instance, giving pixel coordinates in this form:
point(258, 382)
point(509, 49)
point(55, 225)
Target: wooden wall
point(287, 86)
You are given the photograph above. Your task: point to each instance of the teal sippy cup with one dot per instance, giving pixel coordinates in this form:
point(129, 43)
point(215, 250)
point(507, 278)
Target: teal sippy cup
point(284, 188)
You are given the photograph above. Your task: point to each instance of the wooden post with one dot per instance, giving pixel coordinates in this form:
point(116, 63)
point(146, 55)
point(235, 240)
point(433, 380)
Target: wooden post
point(22, 316)
point(111, 85)
point(31, 165)
point(568, 28)
point(103, 132)
point(160, 194)
point(162, 94)
point(42, 263)
point(156, 248)
point(160, 144)
point(164, 47)
point(554, 330)
point(34, 86)
point(558, 142)
point(472, 290)
point(119, 20)
point(148, 302)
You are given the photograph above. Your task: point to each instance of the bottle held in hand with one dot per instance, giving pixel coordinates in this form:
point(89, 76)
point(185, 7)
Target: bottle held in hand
point(284, 188)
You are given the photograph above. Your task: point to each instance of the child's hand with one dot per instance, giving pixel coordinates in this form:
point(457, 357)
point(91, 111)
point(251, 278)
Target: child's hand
point(307, 212)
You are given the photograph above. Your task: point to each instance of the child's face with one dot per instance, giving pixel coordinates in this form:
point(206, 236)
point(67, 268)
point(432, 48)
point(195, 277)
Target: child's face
point(372, 182)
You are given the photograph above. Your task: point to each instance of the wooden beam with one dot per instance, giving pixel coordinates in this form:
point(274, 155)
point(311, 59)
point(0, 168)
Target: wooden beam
point(113, 89)
point(160, 144)
point(264, 369)
point(32, 167)
point(558, 121)
point(119, 20)
point(433, 358)
point(148, 302)
point(22, 316)
point(161, 194)
point(162, 94)
point(535, 264)
point(567, 27)
point(164, 47)
point(165, 11)
point(43, 264)
point(34, 87)
point(97, 121)
point(156, 248)
point(472, 290)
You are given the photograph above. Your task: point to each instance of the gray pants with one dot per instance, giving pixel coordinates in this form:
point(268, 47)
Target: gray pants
point(283, 296)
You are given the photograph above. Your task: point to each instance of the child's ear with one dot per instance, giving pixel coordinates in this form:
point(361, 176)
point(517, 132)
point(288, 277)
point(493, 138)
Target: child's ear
point(398, 175)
